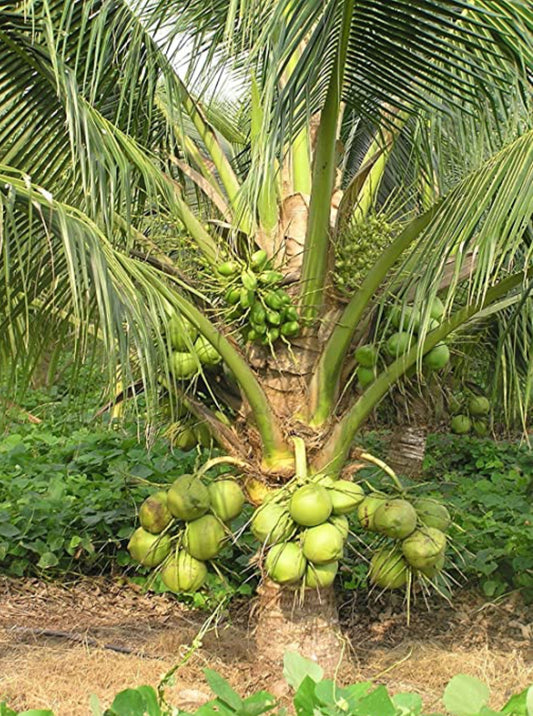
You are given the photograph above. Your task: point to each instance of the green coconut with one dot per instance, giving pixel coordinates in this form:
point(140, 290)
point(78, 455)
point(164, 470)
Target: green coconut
point(478, 405)
point(202, 434)
point(285, 563)
point(226, 499)
point(435, 568)
point(432, 514)
point(404, 318)
point(365, 376)
point(271, 523)
point(460, 424)
point(480, 428)
point(438, 357)
point(183, 573)
point(340, 522)
point(188, 498)
point(148, 549)
point(398, 343)
point(154, 514)
point(437, 309)
point(310, 505)
point(367, 356)
point(322, 544)
point(388, 569)
point(183, 365)
point(320, 576)
point(207, 354)
point(367, 508)
point(345, 496)
point(204, 537)
point(186, 439)
point(395, 518)
point(181, 333)
point(422, 548)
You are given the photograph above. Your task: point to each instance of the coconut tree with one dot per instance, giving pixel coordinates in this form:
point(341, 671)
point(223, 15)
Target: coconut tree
point(200, 241)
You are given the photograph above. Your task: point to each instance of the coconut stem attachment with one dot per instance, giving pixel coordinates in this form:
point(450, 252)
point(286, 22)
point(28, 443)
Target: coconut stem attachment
point(300, 459)
point(367, 457)
point(224, 459)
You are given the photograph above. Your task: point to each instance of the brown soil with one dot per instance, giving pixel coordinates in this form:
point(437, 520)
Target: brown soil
point(61, 643)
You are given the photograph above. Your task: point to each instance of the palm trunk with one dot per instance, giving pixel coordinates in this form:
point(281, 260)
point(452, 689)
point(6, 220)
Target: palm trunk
point(408, 442)
point(308, 623)
point(408, 449)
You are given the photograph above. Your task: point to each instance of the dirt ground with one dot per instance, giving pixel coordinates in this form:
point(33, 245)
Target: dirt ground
point(61, 643)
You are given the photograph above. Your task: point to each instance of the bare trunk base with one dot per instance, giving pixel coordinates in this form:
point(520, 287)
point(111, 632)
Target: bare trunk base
point(309, 625)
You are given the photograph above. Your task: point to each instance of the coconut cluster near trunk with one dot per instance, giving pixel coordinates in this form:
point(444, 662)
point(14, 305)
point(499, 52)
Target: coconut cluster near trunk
point(301, 529)
point(185, 527)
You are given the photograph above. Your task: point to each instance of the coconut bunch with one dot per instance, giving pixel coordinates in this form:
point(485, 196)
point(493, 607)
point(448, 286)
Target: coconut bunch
point(187, 433)
point(303, 530)
point(402, 323)
point(358, 249)
point(416, 535)
point(471, 415)
point(189, 350)
point(184, 527)
point(254, 294)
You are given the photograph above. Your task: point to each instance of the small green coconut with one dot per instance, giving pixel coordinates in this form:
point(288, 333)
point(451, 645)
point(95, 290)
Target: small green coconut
point(367, 508)
point(480, 428)
point(206, 353)
point(182, 334)
point(227, 499)
point(367, 356)
point(188, 498)
point(405, 318)
point(271, 523)
point(438, 357)
point(478, 406)
point(437, 309)
point(341, 524)
point(398, 344)
point(310, 505)
point(432, 514)
point(460, 424)
point(455, 404)
point(395, 518)
point(186, 439)
point(183, 573)
point(322, 544)
point(321, 576)
point(202, 434)
point(183, 365)
point(422, 548)
point(148, 549)
point(345, 496)
point(388, 569)
point(365, 376)
point(154, 514)
point(285, 563)
point(204, 537)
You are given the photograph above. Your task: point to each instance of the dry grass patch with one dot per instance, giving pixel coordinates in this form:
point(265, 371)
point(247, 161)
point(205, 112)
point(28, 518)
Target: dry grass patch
point(38, 670)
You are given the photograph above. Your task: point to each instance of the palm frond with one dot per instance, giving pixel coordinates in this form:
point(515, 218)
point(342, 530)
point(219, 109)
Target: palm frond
point(408, 55)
